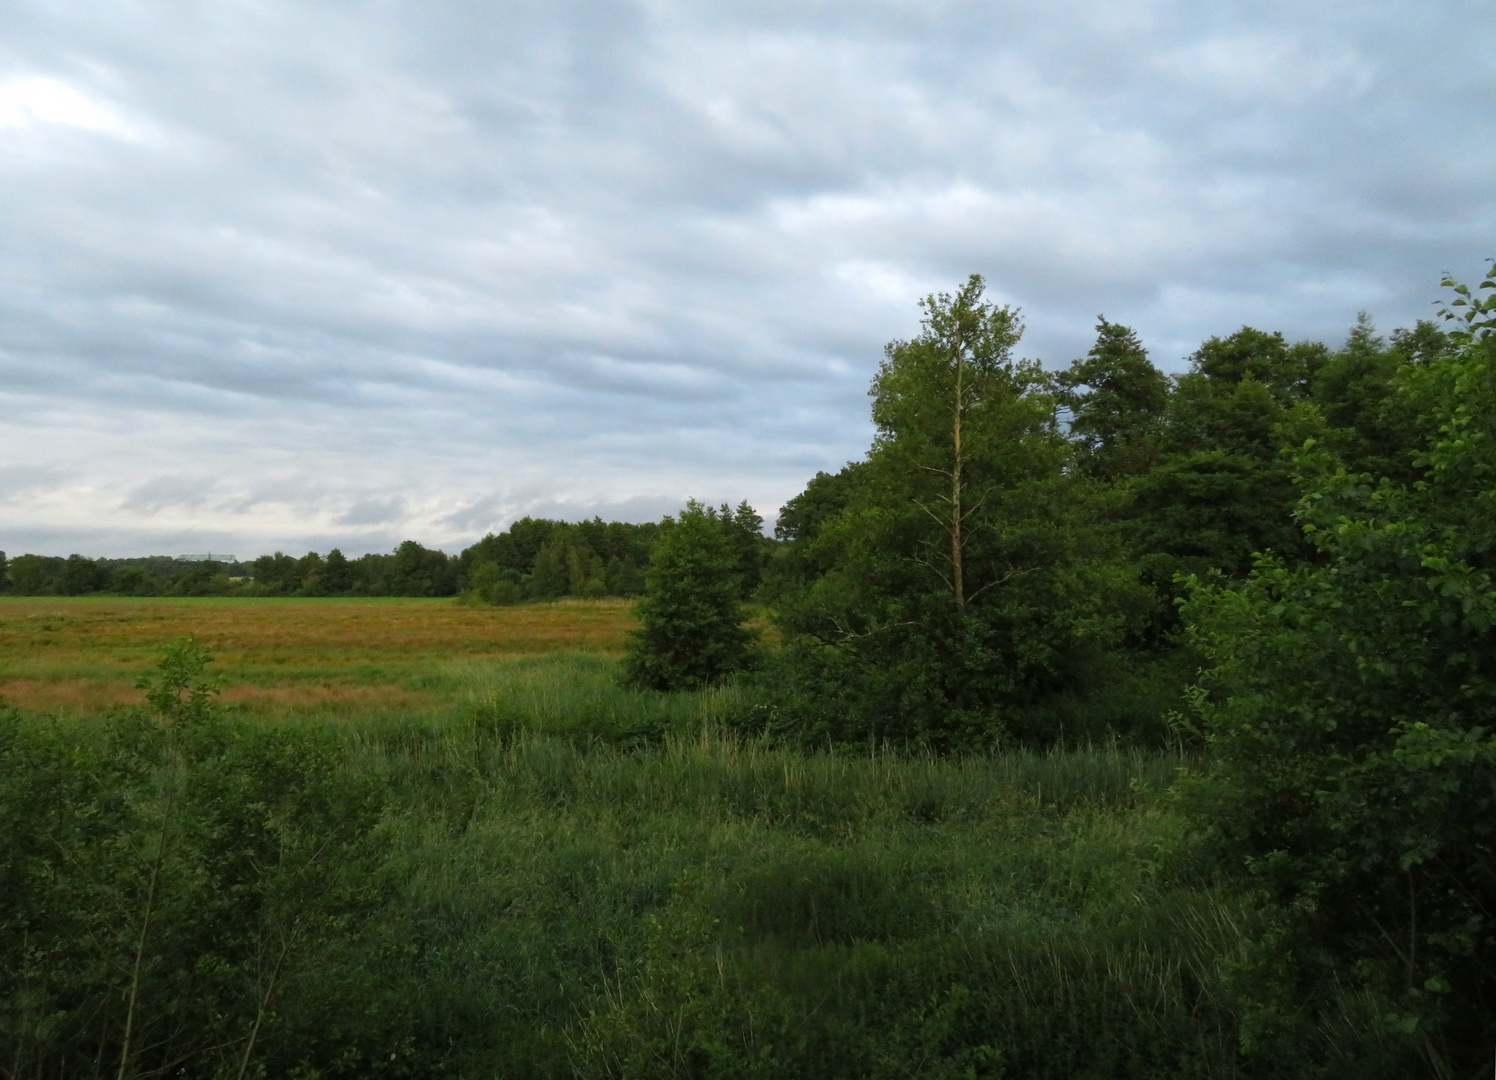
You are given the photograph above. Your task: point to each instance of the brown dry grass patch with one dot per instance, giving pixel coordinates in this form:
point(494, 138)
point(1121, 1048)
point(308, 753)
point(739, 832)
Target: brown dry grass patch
point(80, 655)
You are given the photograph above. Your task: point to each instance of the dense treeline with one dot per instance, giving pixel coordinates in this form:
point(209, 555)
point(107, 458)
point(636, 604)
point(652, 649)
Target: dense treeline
point(1007, 559)
point(534, 559)
point(157, 575)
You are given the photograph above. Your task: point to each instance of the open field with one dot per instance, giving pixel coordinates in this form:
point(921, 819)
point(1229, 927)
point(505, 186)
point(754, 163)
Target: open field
point(342, 657)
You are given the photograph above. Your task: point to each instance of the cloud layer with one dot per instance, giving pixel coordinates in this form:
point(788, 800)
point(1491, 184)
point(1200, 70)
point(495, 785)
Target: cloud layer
point(293, 274)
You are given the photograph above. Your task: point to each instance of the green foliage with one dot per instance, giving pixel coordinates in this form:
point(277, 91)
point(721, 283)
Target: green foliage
point(533, 560)
point(177, 691)
point(168, 880)
point(1368, 424)
point(411, 570)
point(35, 575)
point(691, 633)
point(1116, 399)
point(277, 573)
point(418, 571)
point(745, 535)
point(41, 575)
point(1478, 319)
point(823, 498)
point(1222, 490)
point(538, 559)
point(1217, 488)
point(1349, 706)
point(1263, 358)
point(797, 560)
point(202, 579)
point(337, 573)
point(960, 581)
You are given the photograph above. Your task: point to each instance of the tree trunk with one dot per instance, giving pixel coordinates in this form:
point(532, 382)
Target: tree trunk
point(958, 587)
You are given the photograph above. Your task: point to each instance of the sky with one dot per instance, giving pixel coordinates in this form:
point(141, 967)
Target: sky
point(285, 276)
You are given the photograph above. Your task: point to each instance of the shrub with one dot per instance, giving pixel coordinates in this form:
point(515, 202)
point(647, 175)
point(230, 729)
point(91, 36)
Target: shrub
point(692, 631)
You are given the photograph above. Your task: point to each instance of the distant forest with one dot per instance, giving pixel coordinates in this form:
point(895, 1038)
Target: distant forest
point(534, 559)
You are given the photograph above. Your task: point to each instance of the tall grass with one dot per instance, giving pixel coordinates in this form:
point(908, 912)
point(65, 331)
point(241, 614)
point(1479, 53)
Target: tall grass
point(713, 906)
point(598, 882)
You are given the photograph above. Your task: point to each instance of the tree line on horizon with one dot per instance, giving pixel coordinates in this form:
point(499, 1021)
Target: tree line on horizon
point(533, 559)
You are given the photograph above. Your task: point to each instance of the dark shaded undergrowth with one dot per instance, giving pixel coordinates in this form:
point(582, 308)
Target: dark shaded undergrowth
point(476, 897)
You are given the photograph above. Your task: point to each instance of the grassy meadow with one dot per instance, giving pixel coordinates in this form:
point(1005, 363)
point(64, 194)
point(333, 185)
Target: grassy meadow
point(343, 658)
point(558, 877)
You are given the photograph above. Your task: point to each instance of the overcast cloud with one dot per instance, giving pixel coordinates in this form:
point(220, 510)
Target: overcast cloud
point(289, 275)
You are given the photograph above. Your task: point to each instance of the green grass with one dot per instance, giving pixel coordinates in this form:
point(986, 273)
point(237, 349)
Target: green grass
point(584, 880)
point(715, 907)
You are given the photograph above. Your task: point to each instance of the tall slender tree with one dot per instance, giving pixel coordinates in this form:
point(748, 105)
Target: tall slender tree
point(944, 403)
point(953, 586)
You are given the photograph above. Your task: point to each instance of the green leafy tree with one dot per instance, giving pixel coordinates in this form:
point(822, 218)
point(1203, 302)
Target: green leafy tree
point(337, 574)
point(1349, 708)
point(691, 633)
point(310, 571)
point(419, 571)
point(1251, 355)
point(1352, 390)
point(585, 575)
point(960, 582)
point(279, 573)
point(1220, 489)
point(1117, 400)
point(489, 583)
point(177, 690)
point(948, 406)
point(133, 580)
point(745, 531)
point(538, 558)
point(202, 579)
point(81, 576)
point(827, 495)
point(550, 575)
point(796, 559)
point(35, 575)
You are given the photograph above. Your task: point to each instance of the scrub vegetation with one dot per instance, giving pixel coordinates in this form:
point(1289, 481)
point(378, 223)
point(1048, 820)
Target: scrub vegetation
point(1096, 724)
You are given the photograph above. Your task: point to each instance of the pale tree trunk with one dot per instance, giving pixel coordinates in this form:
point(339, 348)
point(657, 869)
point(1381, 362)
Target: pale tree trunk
point(958, 586)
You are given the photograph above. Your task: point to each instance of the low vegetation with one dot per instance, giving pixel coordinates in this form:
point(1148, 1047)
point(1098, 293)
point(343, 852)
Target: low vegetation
point(574, 879)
